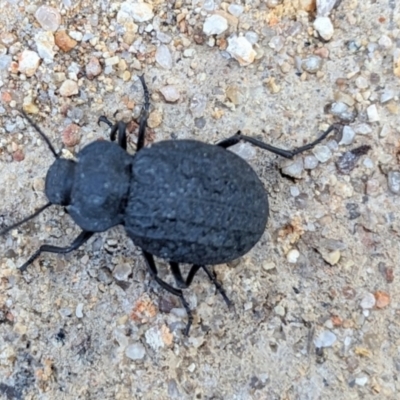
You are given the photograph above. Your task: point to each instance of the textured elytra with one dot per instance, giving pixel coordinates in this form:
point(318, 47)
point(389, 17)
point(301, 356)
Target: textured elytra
point(192, 202)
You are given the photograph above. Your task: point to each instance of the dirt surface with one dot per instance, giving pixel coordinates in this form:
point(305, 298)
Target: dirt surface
point(316, 300)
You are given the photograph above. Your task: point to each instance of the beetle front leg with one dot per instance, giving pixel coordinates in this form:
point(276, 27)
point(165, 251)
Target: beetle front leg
point(79, 241)
point(176, 292)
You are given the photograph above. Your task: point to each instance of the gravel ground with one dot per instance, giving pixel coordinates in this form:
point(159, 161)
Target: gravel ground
point(316, 300)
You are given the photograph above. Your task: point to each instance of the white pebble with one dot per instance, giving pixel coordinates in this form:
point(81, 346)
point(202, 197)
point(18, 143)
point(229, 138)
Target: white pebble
point(362, 129)
point(325, 339)
point(312, 64)
point(69, 88)
point(171, 93)
point(76, 35)
point(292, 256)
point(164, 57)
point(310, 162)
point(45, 46)
point(385, 42)
point(235, 9)
point(78, 310)
point(135, 351)
point(48, 17)
point(324, 27)
point(138, 12)
point(348, 135)
point(28, 62)
point(215, 25)
point(368, 301)
point(322, 153)
point(293, 168)
point(241, 50)
point(324, 7)
point(372, 113)
point(361, 381)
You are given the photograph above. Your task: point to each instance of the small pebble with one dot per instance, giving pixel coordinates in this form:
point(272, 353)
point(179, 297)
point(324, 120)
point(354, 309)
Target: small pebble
point(79, 310)
point(76, 35)
point(324, 7)
point(71, 135)
point(332, 257)
point(45, 44)
point(324, 27)
point(109, 62)
point(139, 12)
point(387, 95)
point(276, 43)
point(385, 42)
point(252, 37)
point(382, 299)
point(322, 153)
point(293, 168)
point(294, 191)
point(48, 17)
point(164, 57)
point(215, 25)
point(235, 9)
point(280, 310)
point(135, 351)
point(244, 150)
point(192, 367)
point(348, 135)
point(339, 108)
point(122, 272)
point(312, 64)
point(93, 68)
point(394, 182)
point(372, 113)
point(310, 162)
point(362, 83)
point(64, 42)
point(28, 62)
point(241, 50)
point(325, 339)
point(170, 93)
point(362, 129)
point(347, 162)
point(361, 381)
point(155, 119)
point(368, 301)
point(163, 37)
point(292, 256)
point(69, 88)
point(198, 105)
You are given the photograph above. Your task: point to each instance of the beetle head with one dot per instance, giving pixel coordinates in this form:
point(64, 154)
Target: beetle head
point(59, 181)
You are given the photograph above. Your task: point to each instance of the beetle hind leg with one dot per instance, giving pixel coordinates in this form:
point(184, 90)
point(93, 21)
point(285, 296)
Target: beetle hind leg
point(212, 278)
point(177, 292)
point(238, 137)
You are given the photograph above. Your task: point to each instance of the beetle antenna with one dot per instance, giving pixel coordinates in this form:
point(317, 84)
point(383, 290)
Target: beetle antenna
point(41, 133)
point(36, 213)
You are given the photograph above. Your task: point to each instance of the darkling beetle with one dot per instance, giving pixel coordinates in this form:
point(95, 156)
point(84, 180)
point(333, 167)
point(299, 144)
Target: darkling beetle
point(181, 200)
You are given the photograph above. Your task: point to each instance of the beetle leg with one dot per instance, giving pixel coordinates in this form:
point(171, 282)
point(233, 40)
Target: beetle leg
point(212, 278)
point(177, 292)
point(119, 127)
point(176, 272)
point(79, 241)
point(144, 115)
point(276, 150)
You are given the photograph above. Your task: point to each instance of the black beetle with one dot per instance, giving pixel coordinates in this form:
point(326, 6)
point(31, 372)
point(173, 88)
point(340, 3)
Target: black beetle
point(181, 200)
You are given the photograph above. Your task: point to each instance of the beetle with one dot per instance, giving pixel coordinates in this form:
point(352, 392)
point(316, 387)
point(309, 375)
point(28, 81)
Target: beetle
point(181, 200)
